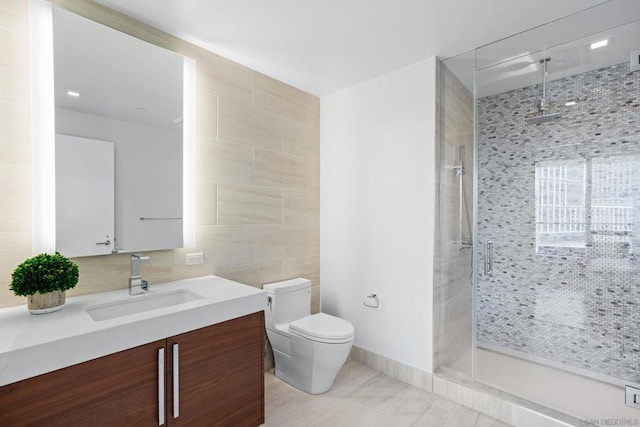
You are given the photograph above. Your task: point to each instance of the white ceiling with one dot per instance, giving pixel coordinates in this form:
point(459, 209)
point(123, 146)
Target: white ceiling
point(321, 46)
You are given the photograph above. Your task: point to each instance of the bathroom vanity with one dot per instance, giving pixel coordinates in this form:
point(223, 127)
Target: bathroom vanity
point(193, 362)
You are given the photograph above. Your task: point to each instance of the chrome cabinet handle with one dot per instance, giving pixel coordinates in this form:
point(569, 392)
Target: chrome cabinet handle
point(161, 386)
point(106, 242)
point(488, 257)
point(176, 381)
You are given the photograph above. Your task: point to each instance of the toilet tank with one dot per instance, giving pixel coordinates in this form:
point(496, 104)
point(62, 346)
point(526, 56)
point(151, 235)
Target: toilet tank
point(290, 300)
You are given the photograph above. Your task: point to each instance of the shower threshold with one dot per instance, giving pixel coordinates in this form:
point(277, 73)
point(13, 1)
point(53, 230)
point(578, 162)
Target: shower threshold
point(576, 395)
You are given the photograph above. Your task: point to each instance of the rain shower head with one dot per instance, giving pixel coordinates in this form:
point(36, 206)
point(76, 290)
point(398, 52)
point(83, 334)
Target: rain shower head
point(543, 119)
point(543, 103)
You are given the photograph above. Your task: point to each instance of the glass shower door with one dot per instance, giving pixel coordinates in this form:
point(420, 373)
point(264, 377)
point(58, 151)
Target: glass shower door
point(557, 271)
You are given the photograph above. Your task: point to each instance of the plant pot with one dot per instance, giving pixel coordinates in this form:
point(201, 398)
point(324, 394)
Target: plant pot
point(46, 303)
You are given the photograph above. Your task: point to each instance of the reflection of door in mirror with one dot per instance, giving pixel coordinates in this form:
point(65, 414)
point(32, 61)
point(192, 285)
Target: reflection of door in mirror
point(148, 178)
point(85, 196)
point(110, 86)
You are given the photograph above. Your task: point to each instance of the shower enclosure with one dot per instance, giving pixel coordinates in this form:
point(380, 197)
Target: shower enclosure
point(538, 281)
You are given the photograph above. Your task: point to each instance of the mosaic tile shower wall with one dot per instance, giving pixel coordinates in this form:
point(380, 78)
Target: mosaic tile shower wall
point(561, 203)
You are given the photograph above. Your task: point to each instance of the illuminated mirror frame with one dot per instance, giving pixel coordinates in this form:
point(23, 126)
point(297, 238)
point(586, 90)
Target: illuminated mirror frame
point(43, 134)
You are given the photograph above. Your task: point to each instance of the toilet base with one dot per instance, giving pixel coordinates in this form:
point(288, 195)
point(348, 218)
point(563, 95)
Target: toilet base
point(312, 366)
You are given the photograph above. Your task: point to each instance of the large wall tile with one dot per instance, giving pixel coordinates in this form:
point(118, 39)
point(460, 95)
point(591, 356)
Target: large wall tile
point(254, 274)
point(14, 16)
point(301, 207)
point(279, 98)
point(278, 169)
point(207, 115)
point(281, 241)
point(206, 203)
point(281, 90)
point(302, 141)
point(227, 245)
point(221, 161)
point(15, 54)
point(221, 77)
point(242, 123)
point(313, 104)
point(244, 204)
point(15, 246)
point(15, 197)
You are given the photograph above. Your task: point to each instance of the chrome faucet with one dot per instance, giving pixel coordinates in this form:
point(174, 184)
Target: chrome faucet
point(136, 284)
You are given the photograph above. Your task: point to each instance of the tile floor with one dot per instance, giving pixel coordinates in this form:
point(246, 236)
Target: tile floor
point(363, 396)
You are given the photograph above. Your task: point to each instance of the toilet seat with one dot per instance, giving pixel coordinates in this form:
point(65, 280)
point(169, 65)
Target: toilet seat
point(323, 327)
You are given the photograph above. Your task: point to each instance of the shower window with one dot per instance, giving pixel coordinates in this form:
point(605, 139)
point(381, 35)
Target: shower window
point(563, 192)
point(560, 204)
point(615, 199)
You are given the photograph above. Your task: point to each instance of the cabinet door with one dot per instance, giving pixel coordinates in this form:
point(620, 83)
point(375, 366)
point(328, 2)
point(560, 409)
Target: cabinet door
point(120, 389)
point(220, 375)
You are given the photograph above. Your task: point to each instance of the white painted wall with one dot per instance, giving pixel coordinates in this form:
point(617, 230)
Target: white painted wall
point(377, 210)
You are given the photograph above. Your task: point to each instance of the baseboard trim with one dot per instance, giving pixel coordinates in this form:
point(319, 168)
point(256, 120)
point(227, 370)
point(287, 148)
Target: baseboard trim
point(475, 396)
point(393, 368)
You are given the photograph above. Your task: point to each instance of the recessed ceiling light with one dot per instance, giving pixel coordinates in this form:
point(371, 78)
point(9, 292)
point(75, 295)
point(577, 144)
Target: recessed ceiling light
point(601, 43)
point(570, 103)
point(74, 94)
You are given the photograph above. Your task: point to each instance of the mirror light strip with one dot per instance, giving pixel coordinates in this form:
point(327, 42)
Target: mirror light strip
point(188, 156)
point(42, 127)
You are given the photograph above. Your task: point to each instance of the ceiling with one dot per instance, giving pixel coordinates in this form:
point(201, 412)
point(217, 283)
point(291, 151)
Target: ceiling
point(322, 46)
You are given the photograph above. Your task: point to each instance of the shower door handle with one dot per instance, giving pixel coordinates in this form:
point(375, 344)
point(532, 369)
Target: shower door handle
point(488, 258)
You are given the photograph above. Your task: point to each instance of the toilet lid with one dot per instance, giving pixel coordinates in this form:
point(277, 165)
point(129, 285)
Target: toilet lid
point(322, 326)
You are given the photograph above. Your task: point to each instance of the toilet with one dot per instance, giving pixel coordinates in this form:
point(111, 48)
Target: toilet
point(308, 349)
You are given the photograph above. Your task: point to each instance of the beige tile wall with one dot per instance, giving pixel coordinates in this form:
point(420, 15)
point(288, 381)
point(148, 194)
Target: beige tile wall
point(15, 148)
point(258, 168)
point(453, 292)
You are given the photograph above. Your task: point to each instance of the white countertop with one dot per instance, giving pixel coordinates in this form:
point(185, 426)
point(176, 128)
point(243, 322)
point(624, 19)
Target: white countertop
point(31, 345)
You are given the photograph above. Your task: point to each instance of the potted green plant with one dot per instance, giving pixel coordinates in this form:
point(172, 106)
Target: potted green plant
point(43, 279)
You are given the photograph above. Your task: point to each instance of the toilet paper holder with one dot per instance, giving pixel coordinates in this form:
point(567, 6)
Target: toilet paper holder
point(371, 300)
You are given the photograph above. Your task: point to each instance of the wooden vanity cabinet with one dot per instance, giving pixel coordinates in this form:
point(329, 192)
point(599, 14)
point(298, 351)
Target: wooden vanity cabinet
point(220, 373)
point(118, 389)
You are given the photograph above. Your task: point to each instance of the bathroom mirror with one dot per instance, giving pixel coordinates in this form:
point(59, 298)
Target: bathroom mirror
point(119, 140)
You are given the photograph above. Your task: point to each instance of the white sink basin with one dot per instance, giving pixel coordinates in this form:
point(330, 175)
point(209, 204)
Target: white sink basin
point(140, 304)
